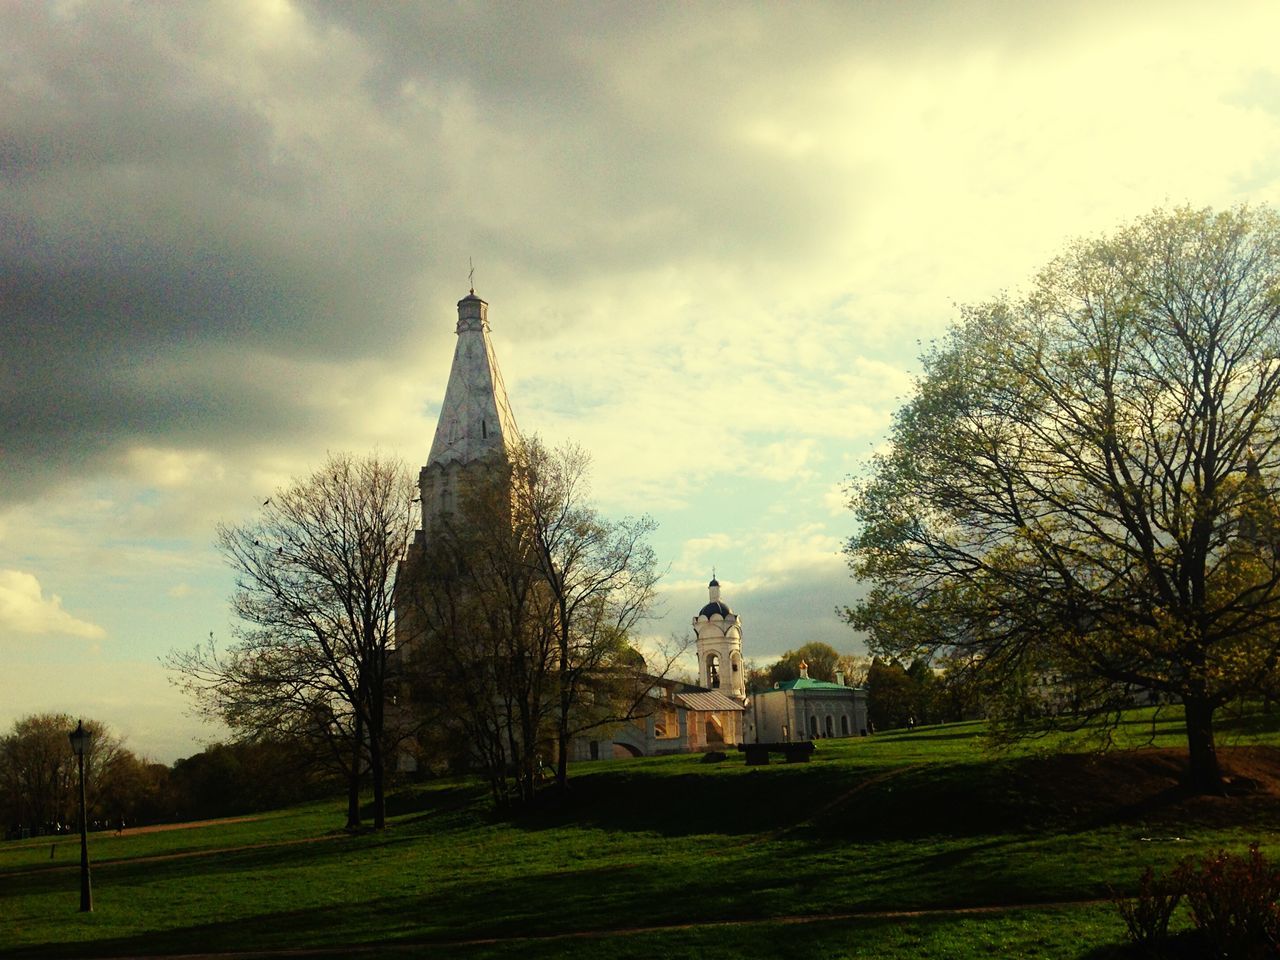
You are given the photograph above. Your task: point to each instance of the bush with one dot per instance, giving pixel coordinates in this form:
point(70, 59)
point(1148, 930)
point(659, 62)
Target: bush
point(1147, 915)
point(1233, 903)
point(1232, 899)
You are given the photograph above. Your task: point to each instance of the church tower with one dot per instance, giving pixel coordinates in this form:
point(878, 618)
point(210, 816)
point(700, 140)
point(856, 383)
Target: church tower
point(719, 632)
point(476, 430)
point(474, 438)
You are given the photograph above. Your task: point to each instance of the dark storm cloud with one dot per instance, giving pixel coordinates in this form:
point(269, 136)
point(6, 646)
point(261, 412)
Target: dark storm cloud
point(174, 183)
point(150, 211)
point(294, 182)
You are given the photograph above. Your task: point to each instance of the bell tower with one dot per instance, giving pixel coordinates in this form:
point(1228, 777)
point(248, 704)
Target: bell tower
point(719, 633)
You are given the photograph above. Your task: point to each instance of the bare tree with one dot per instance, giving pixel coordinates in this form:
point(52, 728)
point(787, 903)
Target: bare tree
point(477, 650)
point(314, 590)
point(522, 604)
point(601, 576)
point(1081, 487)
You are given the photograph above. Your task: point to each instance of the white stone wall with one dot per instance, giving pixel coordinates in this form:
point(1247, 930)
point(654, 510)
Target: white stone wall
point(782, 716)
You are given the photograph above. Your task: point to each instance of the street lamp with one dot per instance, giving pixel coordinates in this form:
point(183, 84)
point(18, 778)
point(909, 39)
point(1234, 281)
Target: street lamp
point(80, 738)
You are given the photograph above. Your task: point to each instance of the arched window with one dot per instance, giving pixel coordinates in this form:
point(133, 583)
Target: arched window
point(813, 727)
point(844, 725)
point(713, 670)
point(831, 727)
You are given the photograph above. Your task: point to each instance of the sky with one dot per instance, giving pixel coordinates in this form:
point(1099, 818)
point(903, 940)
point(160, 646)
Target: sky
point(714, 239)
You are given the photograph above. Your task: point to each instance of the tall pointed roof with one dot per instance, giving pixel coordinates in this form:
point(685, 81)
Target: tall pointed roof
point(475, 418)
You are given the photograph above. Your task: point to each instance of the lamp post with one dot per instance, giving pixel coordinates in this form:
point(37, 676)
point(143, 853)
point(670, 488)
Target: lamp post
point(80, 738)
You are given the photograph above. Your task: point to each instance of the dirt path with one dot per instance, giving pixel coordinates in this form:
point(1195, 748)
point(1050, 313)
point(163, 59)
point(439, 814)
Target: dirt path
point(163, 827)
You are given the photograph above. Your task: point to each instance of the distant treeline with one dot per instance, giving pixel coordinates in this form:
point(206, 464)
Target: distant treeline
point(38, 789)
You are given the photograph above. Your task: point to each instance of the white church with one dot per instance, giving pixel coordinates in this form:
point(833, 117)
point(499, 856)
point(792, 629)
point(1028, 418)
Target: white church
point(475, 433)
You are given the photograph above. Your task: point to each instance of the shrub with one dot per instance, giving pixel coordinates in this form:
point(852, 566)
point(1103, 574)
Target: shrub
point(1233, 903)
point(1232, 899)
point(1147, 915)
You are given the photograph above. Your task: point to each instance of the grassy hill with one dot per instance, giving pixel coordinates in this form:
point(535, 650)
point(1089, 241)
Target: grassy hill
point(922, 844)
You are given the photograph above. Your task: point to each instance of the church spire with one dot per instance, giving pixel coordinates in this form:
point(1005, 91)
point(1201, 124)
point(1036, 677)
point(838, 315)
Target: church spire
point(475, 417)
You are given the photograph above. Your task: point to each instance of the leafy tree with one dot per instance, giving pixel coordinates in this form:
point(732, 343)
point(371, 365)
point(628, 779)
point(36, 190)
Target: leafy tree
point(1081, 485)
point(891, 695)
point(823, 661)
point(233, 778)
point(314, 592)
point(854, 668)
point(38, 775)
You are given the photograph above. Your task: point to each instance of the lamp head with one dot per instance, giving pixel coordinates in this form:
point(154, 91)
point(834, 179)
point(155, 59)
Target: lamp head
point(79, 738)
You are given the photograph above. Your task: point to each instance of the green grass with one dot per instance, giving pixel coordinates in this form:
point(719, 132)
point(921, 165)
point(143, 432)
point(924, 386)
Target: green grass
point(693, 859)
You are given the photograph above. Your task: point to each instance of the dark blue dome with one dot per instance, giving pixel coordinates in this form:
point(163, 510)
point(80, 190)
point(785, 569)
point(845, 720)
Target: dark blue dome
point(715, 606)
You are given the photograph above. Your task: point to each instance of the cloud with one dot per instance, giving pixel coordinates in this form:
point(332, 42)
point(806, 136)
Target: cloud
point(25, 609)
point(711, 241)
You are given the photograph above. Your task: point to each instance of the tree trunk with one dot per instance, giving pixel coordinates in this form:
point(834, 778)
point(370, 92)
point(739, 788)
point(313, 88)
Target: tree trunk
point(562, 719)
point(1206, 776)
point(376, 767)
point(562, 745)
point(353, 783)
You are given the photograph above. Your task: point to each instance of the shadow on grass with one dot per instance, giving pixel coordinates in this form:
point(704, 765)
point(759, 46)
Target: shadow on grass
point(696, 926)
point(545, 902)
point(754, 801)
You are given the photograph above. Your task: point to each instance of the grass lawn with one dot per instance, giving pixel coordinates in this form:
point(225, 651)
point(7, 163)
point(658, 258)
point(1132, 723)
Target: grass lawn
point(682, 858)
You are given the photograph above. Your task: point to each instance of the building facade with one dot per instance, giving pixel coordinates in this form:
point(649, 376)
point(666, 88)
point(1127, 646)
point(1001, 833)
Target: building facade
point(807, 709)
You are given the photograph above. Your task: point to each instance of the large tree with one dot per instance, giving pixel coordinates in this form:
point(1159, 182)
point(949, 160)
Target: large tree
point(821, 659)
point(520, 607)
point(1080, 487)
point(314, 582)
point(478, 647)
point(601, 576)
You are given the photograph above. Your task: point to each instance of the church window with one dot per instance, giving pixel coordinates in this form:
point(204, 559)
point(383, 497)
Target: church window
point(813, 727)
point(844, 725)
point(831, 727)
point(484, 430)
point(713, 671)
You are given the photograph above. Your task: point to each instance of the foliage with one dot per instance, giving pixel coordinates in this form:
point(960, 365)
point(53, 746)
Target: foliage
point(1232, 900)
point(890, 695)
point(1147, 914)
point(226, 779)
point(314, 594)
point(39, 788)
point(1080, 486)
point(823, 661)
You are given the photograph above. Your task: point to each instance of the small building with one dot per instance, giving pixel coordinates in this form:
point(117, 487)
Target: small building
point(675, 717)
point(806, 709)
